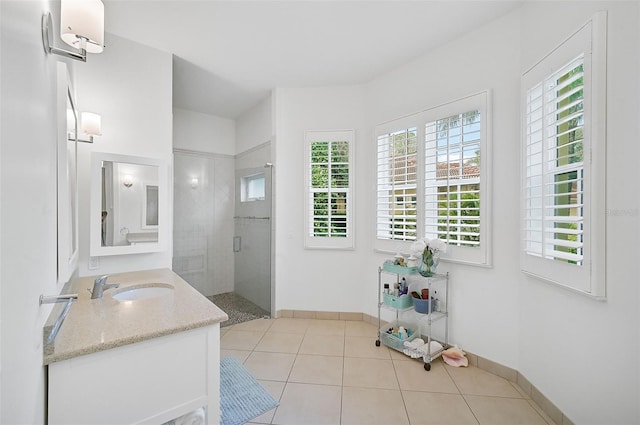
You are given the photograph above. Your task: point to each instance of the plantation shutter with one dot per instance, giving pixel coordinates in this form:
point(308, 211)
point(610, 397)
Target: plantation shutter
point(452, 179)
point(328, 185)
point(397, 185)
point(554, 181)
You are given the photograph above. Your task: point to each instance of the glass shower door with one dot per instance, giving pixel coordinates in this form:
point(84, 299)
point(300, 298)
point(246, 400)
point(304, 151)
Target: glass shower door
point(252, 238)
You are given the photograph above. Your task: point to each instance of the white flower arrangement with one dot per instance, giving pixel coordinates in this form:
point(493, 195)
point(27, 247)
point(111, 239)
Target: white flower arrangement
point(435, 245)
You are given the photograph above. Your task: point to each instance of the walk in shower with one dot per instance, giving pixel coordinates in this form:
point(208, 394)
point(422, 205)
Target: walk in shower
point(222, 231)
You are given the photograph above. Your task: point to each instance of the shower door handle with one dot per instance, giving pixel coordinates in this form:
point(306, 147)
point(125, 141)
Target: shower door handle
point(237, 244)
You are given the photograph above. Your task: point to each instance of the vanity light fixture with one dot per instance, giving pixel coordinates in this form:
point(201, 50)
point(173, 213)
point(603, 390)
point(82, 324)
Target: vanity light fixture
point(91, 125)
point(194, 183)
point(81, 27)
point(127, 181)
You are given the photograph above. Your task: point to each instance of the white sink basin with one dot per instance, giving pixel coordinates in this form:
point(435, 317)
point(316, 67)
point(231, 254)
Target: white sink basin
point(133, 293)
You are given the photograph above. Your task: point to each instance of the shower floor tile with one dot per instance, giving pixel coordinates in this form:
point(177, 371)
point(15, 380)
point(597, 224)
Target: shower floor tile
point(238, 309)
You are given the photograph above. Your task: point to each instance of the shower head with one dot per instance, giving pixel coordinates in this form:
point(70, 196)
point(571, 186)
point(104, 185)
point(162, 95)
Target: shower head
point(268, 165)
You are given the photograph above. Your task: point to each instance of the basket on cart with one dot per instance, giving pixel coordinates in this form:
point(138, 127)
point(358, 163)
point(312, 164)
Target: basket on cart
point(392, 339)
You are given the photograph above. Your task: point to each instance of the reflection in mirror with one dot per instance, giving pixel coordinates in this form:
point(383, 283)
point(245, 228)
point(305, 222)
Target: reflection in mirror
point(128, 204)
point(125, 214)
point(67, 191)
point(150, 207)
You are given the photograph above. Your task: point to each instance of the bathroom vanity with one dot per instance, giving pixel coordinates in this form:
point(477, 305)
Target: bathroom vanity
point(145, 353)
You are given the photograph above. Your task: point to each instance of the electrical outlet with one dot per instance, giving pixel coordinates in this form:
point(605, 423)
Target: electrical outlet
point(94, 263)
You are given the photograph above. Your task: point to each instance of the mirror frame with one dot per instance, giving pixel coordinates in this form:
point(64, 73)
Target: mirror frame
point(67, 178)
point(95, 241)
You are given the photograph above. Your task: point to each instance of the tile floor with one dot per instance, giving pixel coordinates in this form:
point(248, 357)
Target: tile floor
point(331, 372)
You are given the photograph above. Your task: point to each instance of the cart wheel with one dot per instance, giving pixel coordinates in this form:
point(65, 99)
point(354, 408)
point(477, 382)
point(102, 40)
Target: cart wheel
point(378, 343)
point(427, 367)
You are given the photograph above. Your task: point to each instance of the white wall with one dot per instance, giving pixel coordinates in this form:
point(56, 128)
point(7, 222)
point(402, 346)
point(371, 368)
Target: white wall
point(349, 279)
point(583, 354)
point(203, 133)
point(255, 126)
point(130, 85)
point(314, 279)
point(482, 298)
point(27, 207)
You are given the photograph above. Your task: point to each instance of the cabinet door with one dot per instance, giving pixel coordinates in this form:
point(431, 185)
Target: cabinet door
point(152, 381)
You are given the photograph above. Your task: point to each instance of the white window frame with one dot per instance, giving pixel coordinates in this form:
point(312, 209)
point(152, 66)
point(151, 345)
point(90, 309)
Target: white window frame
point(327, 242)
point(587, 278)
point(477, 256)
point(245, 184)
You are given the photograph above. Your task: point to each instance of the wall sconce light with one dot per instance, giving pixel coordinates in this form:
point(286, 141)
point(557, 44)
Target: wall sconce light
point(91, 125)
point(127, 181)
point(194, 183)
point(81, 27)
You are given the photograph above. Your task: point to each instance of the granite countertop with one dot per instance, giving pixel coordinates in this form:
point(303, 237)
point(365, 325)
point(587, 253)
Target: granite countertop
point(102, 324)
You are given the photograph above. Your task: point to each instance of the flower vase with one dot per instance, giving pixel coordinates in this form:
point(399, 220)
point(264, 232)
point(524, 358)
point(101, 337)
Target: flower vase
point(429, 263)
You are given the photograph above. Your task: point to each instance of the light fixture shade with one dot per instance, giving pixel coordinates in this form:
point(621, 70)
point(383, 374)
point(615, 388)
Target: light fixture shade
point(85, 19)
point(91, 124)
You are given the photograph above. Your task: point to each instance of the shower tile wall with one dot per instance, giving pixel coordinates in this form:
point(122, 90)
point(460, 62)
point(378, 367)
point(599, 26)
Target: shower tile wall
point(203, 221)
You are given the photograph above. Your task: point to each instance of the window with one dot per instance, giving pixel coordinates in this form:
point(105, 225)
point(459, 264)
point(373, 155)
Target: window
point(328, 183)
point(431, 180)
point(253, 188)
point(560, 133)
point(452, 179)
point(397, 184)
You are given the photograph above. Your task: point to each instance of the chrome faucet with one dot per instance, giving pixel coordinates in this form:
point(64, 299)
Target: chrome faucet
point(99, 285)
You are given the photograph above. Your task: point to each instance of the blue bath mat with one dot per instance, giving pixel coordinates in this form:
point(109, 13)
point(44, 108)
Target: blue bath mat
point(242, 398)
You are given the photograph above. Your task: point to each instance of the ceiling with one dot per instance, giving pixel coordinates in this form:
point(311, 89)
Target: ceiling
point(229, 55)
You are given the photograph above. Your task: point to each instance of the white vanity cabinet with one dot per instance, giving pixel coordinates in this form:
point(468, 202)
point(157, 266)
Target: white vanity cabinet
point(119, 360)
point(148, 382)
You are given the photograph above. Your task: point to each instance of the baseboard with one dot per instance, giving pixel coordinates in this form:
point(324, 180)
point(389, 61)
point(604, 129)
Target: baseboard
point(490, 366)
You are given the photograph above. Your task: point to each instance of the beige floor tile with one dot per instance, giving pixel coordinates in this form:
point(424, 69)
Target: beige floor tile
point(240, 340)
point(436, 408)
point(278, 342)
point(413, 377)
point(357, 346)
point(290, 325)
point(308, 369)
point(270, 366)
point(326, 345)
point(360, 328)
point(326, 327)
point(398, 355)
point(472, 380)
point(309, 404)
point(275, 389)
point(259, 325)
point(239, 355)
point(372, 406)
point(503, 411)
point(369, 373)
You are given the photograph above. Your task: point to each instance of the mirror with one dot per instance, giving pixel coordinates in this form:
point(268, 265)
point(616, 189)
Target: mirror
point(128, 204)
point(67, 187)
